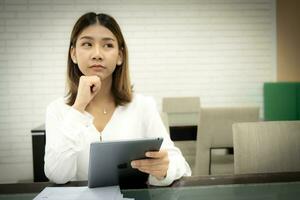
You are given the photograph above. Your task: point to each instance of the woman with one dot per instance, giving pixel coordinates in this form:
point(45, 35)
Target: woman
point(100, 106)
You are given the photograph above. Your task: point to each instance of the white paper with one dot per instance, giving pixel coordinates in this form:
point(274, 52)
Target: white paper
point(79, 193)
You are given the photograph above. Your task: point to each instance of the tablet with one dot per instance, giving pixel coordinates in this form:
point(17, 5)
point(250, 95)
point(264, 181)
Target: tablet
point(110, 162)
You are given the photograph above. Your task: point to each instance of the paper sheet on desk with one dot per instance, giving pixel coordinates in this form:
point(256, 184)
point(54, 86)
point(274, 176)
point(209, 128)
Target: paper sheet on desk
point(80, 193)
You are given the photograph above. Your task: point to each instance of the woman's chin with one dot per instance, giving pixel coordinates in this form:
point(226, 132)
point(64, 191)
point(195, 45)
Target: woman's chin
point(99, 74)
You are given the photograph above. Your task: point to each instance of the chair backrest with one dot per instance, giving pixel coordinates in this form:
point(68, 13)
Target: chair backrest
point(215, 131)
point(181, 111)
point(264, 147)
point(164, 118)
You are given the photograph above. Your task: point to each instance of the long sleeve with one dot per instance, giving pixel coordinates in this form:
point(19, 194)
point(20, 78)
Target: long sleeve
point(65, 137)
point(178, 167)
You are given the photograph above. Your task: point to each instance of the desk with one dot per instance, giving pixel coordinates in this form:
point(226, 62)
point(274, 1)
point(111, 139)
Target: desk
point(252, 186)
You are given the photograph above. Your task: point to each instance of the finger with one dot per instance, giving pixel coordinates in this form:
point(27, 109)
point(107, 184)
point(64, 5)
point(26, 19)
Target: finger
point(157, 154)
point(94, 83)
point(154, 168)
point(92, 80)
point(157, 173)
point(148, 162)
point(95, 88)
point(95, 79)
point(144, 170)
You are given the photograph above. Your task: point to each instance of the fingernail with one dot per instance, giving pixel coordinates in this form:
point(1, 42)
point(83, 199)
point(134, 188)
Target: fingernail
point(148, 154)
point(133, 164)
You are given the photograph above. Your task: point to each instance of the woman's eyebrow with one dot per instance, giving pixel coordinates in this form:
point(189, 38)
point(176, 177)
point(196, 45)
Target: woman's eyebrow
point(91, 38)
point(86, 37)
point(108, 38)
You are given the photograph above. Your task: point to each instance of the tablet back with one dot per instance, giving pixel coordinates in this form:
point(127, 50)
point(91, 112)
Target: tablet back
point(109, 162)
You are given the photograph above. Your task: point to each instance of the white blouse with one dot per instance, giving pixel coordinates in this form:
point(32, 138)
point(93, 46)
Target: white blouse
point(69, 134)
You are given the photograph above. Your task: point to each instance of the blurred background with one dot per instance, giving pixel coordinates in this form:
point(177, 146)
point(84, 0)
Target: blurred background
point(222, 51)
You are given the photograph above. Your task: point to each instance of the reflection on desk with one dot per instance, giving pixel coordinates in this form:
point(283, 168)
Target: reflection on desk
point(253, 186)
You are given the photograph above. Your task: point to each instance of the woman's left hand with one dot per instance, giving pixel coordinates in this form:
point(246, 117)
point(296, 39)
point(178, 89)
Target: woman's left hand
point(157, 165)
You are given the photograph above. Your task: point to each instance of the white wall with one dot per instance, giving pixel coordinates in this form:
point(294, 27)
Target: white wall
point(220, 50)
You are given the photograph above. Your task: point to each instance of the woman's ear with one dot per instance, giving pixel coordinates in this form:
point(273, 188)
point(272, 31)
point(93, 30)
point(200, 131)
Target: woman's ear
point(73, 54)
point(120, 57)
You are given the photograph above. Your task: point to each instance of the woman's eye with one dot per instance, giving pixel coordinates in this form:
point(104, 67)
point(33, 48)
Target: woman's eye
point(109, 45)
point(86, 44)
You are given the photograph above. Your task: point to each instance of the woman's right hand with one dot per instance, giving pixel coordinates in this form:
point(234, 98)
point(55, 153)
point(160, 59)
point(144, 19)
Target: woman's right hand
point(88, 87)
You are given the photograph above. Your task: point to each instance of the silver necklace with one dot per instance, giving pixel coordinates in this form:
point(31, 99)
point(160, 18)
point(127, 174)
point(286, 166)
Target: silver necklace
point(104, 111)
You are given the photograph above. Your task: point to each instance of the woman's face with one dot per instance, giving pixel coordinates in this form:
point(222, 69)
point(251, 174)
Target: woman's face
point(97, 52)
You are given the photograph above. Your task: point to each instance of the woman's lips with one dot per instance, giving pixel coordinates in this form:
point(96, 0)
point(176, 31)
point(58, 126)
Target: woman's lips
point(97, 67)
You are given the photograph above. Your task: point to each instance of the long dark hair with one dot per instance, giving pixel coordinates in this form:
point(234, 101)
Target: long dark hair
point(121, 86)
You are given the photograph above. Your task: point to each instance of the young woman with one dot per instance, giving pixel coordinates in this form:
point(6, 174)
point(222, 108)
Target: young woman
point(100, 106)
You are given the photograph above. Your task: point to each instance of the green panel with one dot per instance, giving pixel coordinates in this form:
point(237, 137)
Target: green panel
point(280, 101)
point(298, 100)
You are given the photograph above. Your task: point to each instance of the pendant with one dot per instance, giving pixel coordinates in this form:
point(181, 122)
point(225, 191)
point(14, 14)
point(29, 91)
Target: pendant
point(104, 111)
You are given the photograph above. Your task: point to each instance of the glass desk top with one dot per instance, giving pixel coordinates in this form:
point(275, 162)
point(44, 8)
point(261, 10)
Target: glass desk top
point(264, 191)
point(204, 188)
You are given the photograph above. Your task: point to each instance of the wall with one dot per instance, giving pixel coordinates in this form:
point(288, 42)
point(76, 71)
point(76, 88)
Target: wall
point(288, 40)
point(221, 50)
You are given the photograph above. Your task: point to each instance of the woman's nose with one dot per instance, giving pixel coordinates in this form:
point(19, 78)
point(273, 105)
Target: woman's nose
point(97, 54)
